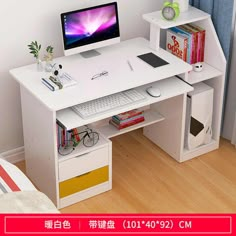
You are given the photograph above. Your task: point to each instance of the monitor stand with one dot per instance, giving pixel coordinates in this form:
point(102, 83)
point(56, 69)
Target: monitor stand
point(90, 53)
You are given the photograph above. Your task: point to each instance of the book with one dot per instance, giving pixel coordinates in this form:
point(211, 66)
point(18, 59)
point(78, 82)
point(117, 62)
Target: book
point(66, 80)
point(49, 84)
point(128, 114)
point(58, 135)
point(126, 120)
point(54, 84)
point(131, 122)
point(75, 134)
point(64, 136)
point(126, 125)
point(202, 39)
point(189, 42)
point(197, 41)
point(194, 42)
point(177, 44)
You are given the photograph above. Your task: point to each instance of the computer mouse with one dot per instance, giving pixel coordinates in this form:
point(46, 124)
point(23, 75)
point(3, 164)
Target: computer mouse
point(153, 91)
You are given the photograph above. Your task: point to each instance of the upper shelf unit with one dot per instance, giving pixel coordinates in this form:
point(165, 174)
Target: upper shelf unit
point(214, 59)
point(192, 15)
point(214, 66)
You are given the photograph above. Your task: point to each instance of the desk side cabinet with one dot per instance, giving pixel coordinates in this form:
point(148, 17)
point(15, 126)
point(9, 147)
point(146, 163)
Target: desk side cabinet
point(66, 180)
point(213, 74)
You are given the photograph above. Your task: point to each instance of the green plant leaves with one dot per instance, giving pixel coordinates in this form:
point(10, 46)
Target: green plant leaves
point(34, 48)
point(49, 49)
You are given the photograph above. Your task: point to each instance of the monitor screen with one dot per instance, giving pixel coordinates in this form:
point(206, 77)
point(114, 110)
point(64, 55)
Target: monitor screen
point(90, 28)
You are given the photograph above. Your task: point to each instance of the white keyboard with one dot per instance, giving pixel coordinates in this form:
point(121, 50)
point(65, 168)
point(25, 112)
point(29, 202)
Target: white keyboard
point(102, 105)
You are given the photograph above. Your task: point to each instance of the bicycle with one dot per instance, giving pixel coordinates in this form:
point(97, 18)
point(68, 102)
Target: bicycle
point(89, 139)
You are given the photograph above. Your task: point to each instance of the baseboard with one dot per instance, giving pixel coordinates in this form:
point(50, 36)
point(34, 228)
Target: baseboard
point(15, 155)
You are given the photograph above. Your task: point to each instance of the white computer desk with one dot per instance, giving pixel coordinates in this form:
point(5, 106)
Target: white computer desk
point(41, 108)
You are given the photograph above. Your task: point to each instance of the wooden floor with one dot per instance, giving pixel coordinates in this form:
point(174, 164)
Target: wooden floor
point(147, 180)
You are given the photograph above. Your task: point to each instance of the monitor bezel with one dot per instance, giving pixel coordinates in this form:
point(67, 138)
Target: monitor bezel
point(95, 45)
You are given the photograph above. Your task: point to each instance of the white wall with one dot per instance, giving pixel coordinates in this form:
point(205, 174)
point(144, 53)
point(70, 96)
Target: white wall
point(231, 97)
point(27, 20)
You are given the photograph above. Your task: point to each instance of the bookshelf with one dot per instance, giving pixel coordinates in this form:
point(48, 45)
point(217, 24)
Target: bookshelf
point(157, 22)
point(213, 73)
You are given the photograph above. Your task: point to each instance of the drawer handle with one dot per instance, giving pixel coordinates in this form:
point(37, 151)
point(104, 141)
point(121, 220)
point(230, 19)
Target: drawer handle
point(85, 154)
point(83, 174)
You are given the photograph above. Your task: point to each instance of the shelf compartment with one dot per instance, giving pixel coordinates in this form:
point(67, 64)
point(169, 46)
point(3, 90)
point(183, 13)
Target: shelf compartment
point(151, 117)
point(82, 150)
point(189, 154)
point(208, 72)
point(192, 15)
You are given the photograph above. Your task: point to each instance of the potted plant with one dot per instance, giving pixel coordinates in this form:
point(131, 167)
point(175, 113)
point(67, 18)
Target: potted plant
point(35, 48)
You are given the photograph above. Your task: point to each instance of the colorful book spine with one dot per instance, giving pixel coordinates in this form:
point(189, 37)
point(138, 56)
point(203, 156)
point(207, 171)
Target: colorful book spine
point(197, 41)
point(75, 134)
point(202, 33)
point(52, 86)
point(116, 120)
point(64, 136)
point(128, 124)
point(177, 44)
point(194, 42)
point(128, 114)
point(59, 133)
point(58, 136)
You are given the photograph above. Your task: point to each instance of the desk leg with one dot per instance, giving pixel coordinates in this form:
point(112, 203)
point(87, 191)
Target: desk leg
point(169, 134)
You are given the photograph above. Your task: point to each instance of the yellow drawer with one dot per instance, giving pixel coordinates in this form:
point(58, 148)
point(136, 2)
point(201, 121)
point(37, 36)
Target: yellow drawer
point(83, 182)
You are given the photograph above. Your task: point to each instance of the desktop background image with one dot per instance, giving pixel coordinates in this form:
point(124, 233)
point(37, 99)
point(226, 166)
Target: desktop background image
point(90, 26)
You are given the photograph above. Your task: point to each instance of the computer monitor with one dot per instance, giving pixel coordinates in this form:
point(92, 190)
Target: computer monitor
point(90, 28)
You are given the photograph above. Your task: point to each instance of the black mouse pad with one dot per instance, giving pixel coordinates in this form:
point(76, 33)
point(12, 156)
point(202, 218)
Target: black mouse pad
point(153, 60)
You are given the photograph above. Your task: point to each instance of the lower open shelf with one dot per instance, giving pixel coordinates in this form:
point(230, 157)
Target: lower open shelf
point(151, 117)
point(207, 73)
point(189, 154)
point(81, 149)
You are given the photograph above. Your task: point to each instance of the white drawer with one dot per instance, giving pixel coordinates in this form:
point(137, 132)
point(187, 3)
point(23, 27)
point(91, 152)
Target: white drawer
point(83, 164)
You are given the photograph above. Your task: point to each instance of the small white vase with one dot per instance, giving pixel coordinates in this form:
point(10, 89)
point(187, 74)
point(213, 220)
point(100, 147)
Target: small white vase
point(183, 5)
point(48, 66)
point(39, 65)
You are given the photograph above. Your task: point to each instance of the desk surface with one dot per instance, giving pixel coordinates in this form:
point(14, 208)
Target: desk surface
point(114, 60)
